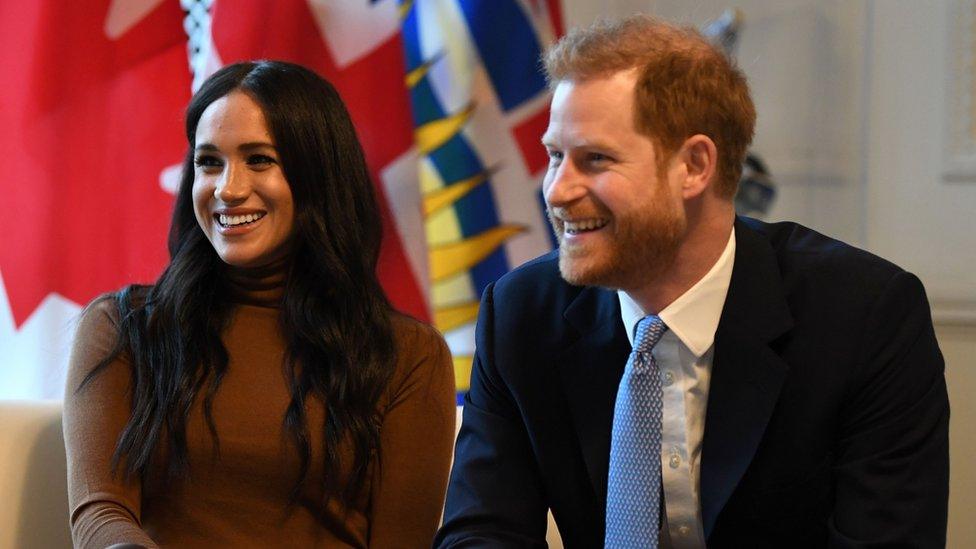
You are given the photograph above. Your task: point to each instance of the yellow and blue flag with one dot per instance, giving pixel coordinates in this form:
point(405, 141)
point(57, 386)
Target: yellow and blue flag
point(480, 105)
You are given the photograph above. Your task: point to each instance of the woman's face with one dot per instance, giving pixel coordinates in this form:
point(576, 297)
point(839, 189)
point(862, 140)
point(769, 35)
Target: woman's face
point(240, 196)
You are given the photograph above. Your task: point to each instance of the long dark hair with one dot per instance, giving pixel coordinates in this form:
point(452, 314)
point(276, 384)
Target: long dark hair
point(334, 314)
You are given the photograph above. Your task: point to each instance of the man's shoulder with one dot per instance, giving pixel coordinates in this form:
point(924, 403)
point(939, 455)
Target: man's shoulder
point(541, 270)
point(535, 287)
point(805, 255)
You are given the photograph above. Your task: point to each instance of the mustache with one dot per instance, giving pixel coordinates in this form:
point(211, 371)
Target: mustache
point(559, 214)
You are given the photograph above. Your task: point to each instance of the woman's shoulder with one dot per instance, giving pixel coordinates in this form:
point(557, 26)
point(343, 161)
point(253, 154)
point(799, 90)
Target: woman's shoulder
point(104, 312)
point(424, 367)
point(95, 339)
point(100, 315)
point(98, 325)
point(420, 349)
point(414, 336)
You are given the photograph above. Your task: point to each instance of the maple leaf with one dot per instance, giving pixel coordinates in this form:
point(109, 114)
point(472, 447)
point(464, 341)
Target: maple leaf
point(92, 117)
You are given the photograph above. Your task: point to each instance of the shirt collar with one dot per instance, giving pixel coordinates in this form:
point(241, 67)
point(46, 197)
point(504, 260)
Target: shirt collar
point(694, 316)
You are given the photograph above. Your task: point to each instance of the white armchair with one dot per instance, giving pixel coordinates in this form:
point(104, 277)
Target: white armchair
point(34, 504)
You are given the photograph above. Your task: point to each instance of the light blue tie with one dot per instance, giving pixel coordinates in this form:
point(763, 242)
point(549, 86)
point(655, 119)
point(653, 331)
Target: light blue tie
point(634, 484)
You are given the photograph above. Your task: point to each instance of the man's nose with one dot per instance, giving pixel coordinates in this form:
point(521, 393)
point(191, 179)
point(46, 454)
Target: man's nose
point(233, 184)
point(564, 185)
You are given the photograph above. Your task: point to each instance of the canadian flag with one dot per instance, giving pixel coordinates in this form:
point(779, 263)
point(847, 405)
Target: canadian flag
point(92, 108)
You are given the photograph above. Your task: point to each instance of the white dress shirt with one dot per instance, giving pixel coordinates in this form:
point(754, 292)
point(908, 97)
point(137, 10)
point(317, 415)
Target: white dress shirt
point(684, 356)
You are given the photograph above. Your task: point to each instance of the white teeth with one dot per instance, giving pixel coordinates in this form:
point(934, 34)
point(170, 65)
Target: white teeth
point(574, 227)
point(234, 220)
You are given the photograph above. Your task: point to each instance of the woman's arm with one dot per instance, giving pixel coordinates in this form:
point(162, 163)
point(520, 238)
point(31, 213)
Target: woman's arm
point(104, 509)
point(417, 439)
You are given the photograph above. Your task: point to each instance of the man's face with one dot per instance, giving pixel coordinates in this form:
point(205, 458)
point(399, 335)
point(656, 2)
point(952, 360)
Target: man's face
point(618, 219)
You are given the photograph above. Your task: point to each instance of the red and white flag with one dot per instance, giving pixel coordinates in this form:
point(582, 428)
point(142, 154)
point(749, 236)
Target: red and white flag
point(92, 117)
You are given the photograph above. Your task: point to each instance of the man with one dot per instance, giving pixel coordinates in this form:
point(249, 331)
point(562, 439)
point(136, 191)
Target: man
point(785, 390)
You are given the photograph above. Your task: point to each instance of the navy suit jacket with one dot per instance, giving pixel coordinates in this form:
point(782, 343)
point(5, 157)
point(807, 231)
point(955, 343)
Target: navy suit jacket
point(827, 416)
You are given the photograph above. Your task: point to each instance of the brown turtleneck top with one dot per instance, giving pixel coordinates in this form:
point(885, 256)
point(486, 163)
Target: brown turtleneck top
point(240, 498)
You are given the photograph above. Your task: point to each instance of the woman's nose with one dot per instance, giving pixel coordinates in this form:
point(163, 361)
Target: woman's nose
point(232, 185)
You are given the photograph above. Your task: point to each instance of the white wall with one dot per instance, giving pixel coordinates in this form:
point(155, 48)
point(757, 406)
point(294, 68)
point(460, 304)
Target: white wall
point(918, 219)
point(925, 223)
point(853, 108)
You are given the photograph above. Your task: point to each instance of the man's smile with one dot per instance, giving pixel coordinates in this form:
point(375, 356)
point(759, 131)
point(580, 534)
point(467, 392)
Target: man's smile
point(584, 225)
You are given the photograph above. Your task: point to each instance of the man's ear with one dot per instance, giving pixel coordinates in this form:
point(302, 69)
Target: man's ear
point(700, 158)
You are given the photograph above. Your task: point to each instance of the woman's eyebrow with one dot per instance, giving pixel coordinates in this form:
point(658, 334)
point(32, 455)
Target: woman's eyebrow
point(255, 145)
point(250, 146)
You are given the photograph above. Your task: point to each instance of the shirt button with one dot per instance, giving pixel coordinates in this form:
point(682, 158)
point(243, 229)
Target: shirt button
point(684, 530)
point(668, 378)
point(674, 462)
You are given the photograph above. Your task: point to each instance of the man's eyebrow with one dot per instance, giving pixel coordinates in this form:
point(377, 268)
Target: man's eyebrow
point(591, 146)
point(583, 144)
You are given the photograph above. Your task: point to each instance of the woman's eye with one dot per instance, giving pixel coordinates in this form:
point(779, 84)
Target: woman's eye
point(207, 161)
point(260, 160)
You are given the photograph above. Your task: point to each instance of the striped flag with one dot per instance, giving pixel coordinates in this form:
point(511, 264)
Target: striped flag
point(480, 106)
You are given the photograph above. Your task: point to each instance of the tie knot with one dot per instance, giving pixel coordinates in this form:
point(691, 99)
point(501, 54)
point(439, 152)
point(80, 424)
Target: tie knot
point(649, 332)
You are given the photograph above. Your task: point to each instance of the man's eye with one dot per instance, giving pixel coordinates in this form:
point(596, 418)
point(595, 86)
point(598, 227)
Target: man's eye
point(555, 157)
point(597, 157)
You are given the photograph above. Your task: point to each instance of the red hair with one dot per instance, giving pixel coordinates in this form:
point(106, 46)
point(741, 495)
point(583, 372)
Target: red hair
point(685, 85)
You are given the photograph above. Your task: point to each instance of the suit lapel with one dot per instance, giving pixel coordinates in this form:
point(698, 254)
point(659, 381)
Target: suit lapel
point(591, 367)
point(747, 374)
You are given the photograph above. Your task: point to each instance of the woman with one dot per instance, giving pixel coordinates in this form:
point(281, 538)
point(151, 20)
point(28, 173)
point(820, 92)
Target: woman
point(262, 392)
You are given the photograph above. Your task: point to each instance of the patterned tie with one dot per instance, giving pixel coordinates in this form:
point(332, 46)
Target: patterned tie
point(634, 484)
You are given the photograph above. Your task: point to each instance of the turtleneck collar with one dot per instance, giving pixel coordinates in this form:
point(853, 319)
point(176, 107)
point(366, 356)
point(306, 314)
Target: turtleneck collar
point(261, 286)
